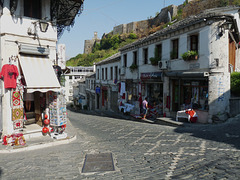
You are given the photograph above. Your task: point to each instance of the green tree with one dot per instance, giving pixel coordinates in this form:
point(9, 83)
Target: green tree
point(235, 83)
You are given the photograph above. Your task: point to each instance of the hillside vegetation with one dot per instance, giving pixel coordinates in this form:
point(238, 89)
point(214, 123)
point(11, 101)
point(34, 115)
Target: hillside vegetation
point(110, 44)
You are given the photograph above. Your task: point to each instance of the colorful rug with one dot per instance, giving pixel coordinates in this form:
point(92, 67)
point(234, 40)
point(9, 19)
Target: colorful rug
point(17, 114)
point(17, 101)
point(18, 124)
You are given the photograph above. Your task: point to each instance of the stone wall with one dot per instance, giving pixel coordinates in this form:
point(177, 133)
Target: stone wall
point(88, 45)
point(164, 16)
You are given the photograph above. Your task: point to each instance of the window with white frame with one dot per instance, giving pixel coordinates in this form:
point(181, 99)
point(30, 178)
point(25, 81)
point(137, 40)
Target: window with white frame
point(135, 57)
point(194, 42)
point(116, 73)
point(106, 73)
point(33, 8)
point(175, 47)
point(125, 60)
point(158, 51)
point(111, 73)
point(102, 73)
point(145, 55)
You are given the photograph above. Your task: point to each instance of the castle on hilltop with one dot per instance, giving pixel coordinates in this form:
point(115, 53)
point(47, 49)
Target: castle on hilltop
point(138, 27)
point(89, 44)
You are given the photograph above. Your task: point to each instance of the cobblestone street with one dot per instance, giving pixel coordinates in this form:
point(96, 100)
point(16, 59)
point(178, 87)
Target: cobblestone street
point(139, 151)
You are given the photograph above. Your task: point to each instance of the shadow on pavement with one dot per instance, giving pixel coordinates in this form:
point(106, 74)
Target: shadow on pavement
point(227, 132)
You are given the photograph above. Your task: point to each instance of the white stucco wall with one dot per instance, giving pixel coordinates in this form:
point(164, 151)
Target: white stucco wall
point(14, 31)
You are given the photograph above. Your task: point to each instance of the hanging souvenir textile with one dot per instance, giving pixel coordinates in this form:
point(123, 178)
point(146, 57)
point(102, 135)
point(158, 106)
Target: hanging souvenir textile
point(17, 124)
point(9, 73)
point(17, 101)
point(17, 107)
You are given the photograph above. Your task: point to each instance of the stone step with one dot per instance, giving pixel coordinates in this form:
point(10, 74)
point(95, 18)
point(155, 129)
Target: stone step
point(30, 121)
point(30, 115)
point(32, 131)
point(169, 121)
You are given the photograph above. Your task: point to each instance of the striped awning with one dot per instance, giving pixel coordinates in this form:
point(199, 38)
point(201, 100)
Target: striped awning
point(39, 74)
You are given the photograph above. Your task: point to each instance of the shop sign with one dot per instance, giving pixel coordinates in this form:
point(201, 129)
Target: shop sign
point(98, 90)
point(152, 75)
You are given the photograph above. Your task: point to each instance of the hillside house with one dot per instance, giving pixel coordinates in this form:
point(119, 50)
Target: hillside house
point(180, 82)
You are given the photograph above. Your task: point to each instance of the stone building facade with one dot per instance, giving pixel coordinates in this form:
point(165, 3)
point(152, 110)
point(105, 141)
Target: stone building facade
point(88, 44)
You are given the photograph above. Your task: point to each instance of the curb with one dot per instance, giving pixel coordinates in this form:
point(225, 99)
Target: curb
point(39, 146)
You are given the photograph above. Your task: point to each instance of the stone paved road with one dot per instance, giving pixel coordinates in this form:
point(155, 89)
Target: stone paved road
point(140, 151)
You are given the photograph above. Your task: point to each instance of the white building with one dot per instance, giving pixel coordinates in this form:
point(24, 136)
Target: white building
point(107, 80)
point(61, 53)
point(31, 48)
point(76, 73)
point(203, 83)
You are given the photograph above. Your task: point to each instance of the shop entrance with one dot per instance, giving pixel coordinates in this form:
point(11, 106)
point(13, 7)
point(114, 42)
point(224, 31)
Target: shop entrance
point(29, 108)
point(190, 94)
point(155, 96)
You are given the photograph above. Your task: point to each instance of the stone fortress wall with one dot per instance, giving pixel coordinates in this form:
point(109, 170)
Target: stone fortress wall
point(138, 27)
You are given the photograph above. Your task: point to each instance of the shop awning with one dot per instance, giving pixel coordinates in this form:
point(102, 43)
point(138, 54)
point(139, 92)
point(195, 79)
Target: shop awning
point(39, 74)
point(186, 74)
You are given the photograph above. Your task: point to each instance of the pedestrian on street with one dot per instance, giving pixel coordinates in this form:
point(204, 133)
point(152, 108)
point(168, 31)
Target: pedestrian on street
point(145, 108)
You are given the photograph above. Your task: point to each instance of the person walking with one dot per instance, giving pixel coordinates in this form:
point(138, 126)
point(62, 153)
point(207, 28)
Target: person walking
point(145, 108)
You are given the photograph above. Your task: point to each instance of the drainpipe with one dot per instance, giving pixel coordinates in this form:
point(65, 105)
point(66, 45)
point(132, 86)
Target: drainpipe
point(179, 93)
point(1, 94)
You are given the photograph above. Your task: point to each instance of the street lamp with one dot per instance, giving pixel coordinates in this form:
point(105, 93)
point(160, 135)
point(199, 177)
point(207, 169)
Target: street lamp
point(43, 25)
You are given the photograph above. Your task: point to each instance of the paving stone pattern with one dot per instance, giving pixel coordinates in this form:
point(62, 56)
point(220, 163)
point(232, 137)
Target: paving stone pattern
point(139, 151)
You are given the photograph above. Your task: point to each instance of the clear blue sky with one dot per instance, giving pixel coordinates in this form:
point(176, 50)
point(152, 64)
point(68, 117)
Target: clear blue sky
point(102, 15)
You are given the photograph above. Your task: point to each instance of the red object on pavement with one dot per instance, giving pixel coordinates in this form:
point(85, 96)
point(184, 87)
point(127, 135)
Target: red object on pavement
point(46, 121)
point(45, 130)
point(193, 116)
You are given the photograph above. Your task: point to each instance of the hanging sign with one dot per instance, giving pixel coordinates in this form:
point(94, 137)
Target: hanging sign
point(98, 89)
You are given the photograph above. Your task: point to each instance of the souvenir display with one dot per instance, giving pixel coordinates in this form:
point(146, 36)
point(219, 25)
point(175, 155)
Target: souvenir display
point(14, 139)
point(57, 106)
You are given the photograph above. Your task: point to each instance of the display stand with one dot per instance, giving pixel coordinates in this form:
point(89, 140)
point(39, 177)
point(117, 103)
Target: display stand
point(57, 114)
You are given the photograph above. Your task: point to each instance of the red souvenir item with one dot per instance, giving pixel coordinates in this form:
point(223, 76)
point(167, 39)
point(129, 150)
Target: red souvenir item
point(45, 130)
point(9, 73)
point(46, 121)
point(46, 116)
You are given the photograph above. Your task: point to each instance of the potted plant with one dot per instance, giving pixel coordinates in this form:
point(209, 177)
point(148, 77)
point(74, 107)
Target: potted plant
point(190, 55)
point(133, 67)
point(154, 60)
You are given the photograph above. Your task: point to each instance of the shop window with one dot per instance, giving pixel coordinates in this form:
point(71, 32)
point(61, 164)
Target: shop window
point(33, 9)
point(125, 60)
point(70, 77)
point(98, 74)
point(145, 55)
point(174, 52)
point(194, 43)
point(135, 57)
point(193, 94)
